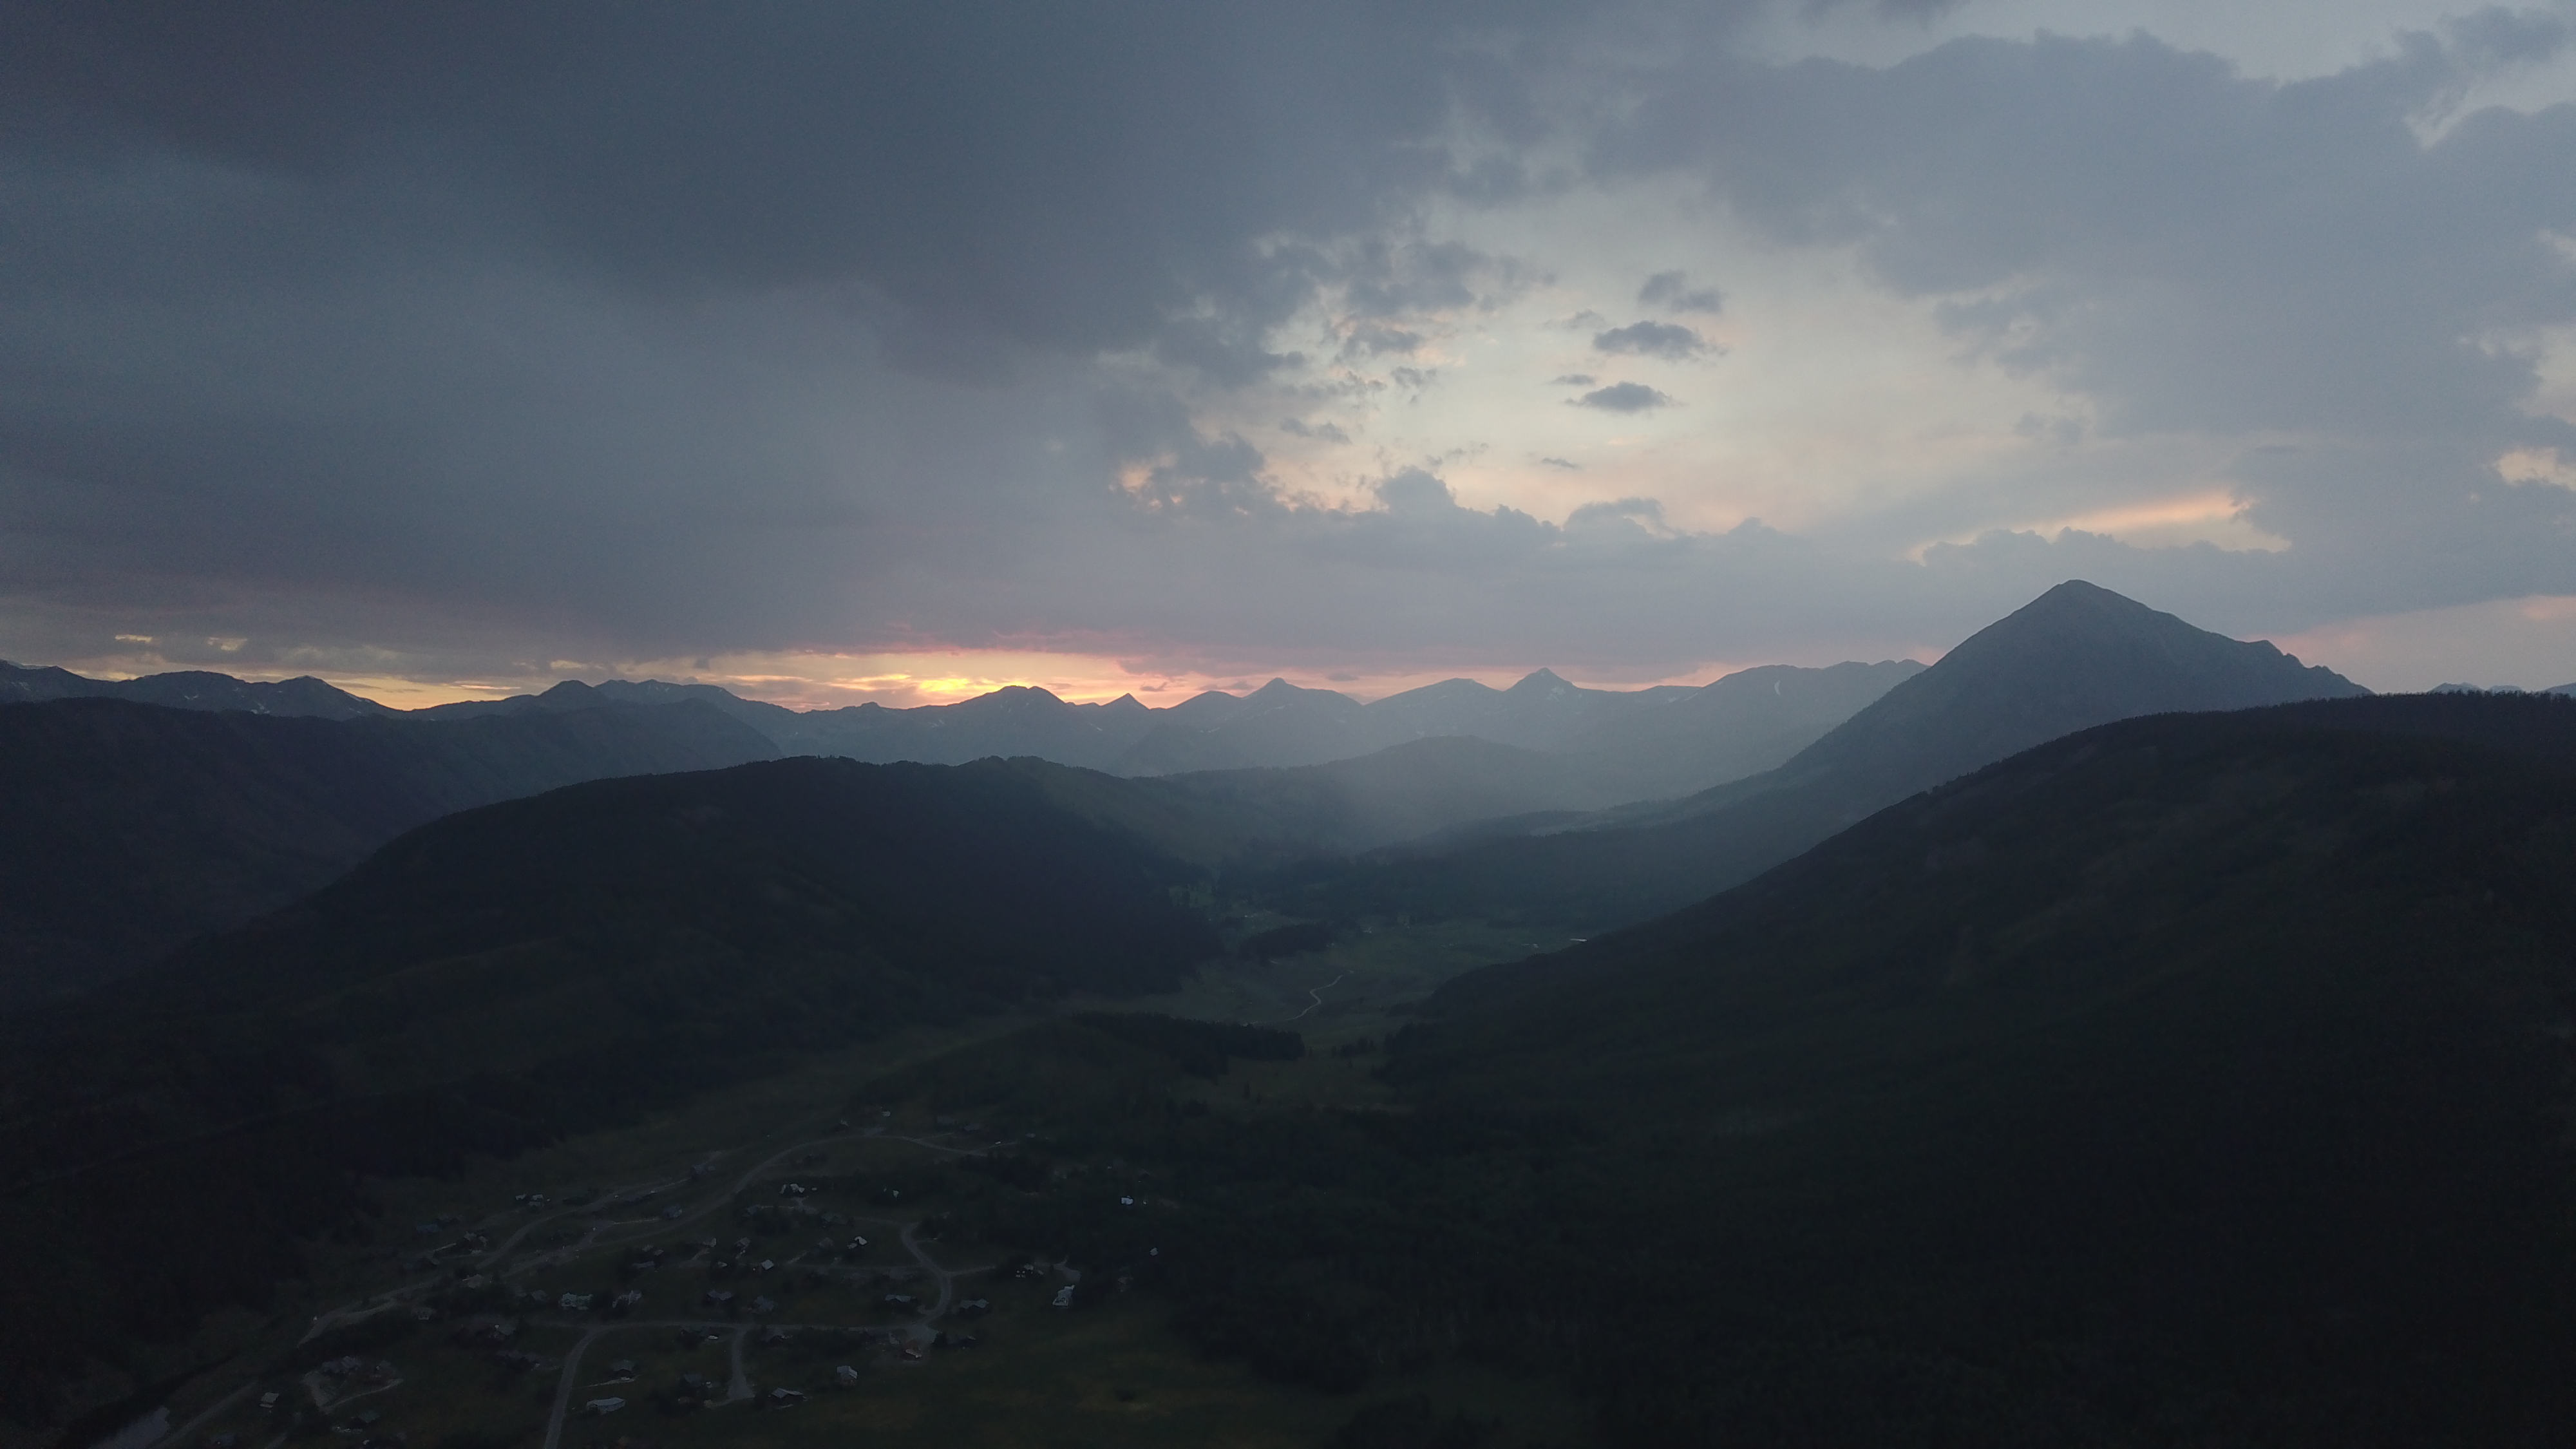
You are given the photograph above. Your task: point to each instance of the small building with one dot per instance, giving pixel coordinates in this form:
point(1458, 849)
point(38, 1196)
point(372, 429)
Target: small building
point(898, 1300)
point(783, 1398)
point(624, 1368)
point(846, 1376)
point(1064, 1296)
point(975, 1307)
point(764, 1305)
point(672, 1213)
point(719, 1296)
point(609, 1405)
point(574, 1302)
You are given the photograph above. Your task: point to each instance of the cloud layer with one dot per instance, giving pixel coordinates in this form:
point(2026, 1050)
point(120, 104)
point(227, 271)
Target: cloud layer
point(1223, 336)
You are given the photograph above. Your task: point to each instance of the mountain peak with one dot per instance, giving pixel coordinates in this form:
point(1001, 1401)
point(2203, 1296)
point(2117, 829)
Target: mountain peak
point(2077, 656)
point(1540, 681)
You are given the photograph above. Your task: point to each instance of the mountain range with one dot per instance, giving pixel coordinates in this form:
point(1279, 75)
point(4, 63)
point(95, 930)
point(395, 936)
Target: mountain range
point(141, 827)
point(2077, 656)
point(1654, 743)
point(2164, 1005)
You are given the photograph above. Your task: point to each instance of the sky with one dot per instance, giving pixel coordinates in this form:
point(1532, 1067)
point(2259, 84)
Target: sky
point(901, 351)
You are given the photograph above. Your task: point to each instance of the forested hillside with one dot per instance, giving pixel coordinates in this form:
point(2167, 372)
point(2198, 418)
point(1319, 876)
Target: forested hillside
point(513, 973)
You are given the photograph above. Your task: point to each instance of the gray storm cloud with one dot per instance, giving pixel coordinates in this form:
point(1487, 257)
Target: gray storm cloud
point(470, 336)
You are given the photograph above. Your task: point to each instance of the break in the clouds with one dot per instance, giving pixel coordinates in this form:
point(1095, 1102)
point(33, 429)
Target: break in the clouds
point(503, 340)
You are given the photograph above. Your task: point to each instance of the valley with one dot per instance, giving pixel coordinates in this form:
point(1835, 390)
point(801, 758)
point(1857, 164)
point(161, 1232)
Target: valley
point(2114, 1033)
point(687, 1187)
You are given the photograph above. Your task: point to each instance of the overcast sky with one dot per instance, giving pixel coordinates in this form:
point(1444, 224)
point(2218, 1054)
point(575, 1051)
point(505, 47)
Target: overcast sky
point(894, 351)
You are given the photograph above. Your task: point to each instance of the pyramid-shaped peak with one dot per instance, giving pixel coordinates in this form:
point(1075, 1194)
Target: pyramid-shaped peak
point(1540, 681)
point(1274, 690)
point(2075, 657)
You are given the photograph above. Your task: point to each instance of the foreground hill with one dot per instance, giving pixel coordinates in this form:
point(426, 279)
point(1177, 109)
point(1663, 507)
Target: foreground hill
point(2195, 1080)
point(134, 827)
point(2075, 657)
point(2204, 1074)
point(515, 972)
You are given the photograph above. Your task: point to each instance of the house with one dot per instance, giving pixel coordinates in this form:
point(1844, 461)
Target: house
point(1064, 1296)
point(975, 1307)
point(898, 1300)
point(782, 1398)
point(694, 1383)
point(846, 1376)
point(268, 1402)
point(763, 1305)
point(774, 1337)
point(766, 1265)
point(624, 1368)
point(672, 1213)
point(625, 1302)
point(720, 1297)
point(604, 1406)
point(574, 1302)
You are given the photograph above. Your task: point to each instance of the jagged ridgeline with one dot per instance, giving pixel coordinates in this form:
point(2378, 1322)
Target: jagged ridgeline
point(515, 972)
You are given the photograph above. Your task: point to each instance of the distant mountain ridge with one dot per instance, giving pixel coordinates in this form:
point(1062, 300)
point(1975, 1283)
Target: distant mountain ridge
point(1656, 743)
point(190, 689)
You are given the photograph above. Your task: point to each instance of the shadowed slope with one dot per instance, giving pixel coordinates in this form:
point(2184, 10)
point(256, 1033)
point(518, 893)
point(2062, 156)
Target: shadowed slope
point(133, 827)
point(2205, 1073)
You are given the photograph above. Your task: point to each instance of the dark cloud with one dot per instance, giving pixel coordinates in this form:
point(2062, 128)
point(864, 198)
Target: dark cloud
point(498, 333)
point(1651, 339)
point(1624, 397)
point(1565, 463)
point(1673, 292)
point(1573, 379)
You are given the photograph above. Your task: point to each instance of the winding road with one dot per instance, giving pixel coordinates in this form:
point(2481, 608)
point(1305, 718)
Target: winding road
point(1316, 992)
